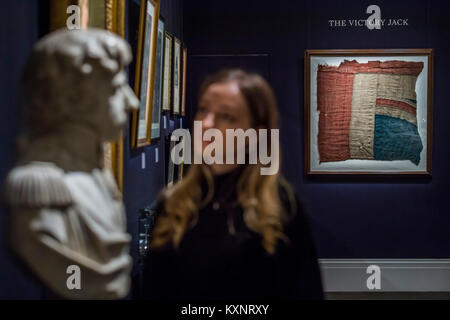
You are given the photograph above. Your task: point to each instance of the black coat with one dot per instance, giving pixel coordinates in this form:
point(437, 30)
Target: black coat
point(211, 263)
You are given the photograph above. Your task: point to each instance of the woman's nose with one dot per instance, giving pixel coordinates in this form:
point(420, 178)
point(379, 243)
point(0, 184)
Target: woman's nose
point(208, 121)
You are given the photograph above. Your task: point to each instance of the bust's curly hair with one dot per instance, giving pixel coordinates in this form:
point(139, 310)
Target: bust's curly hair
point(62, 66)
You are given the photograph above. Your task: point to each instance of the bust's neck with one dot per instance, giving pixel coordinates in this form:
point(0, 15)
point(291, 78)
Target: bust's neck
point(73, 147)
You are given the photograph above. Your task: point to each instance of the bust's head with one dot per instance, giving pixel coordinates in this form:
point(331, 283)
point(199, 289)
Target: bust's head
point(76, 77)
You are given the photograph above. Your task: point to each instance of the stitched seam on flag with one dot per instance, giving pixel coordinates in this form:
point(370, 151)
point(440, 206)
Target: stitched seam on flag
point(386, 67)
point(396, 113)
point(396, 104)
point(407, 101)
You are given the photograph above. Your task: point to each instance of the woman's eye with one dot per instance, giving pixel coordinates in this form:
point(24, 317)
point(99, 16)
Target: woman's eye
point(201, 110)
point(228, 117)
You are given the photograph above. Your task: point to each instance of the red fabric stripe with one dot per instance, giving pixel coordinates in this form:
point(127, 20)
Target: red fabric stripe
point(387, 67)
point(334, 102)
point(397, 104)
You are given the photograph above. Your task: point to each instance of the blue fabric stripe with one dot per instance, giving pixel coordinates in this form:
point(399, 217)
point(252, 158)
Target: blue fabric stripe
point(396, 139)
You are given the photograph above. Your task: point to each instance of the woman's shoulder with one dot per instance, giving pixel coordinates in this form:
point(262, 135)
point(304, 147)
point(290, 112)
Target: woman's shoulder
point(296, 221)
point(164, 195)
point(159, 204)
point(291, 203)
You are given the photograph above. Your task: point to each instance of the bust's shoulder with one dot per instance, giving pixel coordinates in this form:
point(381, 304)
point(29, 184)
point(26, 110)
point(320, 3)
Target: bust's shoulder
point(89, 185)
point(37, 184)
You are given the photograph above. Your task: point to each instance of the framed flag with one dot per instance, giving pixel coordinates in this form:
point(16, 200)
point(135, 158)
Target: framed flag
point(368, 112)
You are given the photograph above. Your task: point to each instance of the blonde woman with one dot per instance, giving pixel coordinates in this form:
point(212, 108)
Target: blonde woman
point(226, 231)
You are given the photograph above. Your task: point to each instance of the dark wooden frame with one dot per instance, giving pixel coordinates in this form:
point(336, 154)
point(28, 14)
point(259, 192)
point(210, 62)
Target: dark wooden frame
point(360, 53)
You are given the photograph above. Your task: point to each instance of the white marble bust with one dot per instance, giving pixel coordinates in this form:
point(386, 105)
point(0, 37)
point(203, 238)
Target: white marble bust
point(65, 207)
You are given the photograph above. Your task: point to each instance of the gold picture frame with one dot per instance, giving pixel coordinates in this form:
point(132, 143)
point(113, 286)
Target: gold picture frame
point(145, 73)
point(115, 22)
point(59, 15)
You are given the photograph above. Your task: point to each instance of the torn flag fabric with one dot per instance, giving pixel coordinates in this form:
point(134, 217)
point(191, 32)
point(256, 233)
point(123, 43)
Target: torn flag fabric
point(368, 111)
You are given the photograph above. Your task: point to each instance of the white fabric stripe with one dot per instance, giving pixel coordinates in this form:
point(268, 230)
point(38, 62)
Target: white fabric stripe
point(362, 121)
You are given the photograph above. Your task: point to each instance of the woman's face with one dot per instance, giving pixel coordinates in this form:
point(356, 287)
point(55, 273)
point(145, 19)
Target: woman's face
point(222, 106)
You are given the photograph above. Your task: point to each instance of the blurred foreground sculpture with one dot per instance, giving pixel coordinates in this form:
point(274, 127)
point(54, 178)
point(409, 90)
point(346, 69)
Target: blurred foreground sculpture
point(66, 208)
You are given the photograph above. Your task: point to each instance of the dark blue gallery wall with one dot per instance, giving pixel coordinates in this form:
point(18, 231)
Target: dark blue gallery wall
point(18, 33)
point(141, 186)
point(352, 218)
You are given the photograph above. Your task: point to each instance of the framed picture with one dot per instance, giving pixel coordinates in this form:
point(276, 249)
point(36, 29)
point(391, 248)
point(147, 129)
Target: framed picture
point(167, 77)
point(176, 76)
point(183, 90)
point(59, 13)
point(145, 73)
point(368, 112)
point(115, 22)
point(157, 94)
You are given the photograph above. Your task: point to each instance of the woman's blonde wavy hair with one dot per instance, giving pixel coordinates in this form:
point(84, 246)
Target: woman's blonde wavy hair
point(258, 194)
